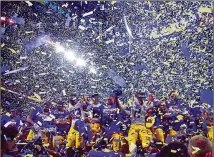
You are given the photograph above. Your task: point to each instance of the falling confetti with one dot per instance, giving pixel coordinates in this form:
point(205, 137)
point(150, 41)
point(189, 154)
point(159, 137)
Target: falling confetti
point(49, 49)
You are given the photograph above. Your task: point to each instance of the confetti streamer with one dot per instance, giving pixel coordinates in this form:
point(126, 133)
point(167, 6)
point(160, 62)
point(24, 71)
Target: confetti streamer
point(87, 14)
point(127, 28)
point(22, 95)
point(15, 71)
point(12, 50)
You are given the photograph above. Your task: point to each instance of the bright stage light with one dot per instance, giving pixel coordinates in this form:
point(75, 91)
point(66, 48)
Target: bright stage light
point(93, 70)
point(70, 56)
point(80, 62)
point(11, 21)
point(3, 18)
point(59, 48)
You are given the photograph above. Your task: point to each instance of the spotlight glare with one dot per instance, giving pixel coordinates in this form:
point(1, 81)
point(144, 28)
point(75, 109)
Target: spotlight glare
point(59, 48)
point(70, 56)
point(11, 21)
point(3, 18)
point(80, 62)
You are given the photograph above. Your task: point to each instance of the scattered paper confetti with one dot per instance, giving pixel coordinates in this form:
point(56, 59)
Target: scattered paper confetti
point(87, 14)
point(29, 3)
point(205, 10)
point(195, 150)
point(50, 51)
point(12, 50)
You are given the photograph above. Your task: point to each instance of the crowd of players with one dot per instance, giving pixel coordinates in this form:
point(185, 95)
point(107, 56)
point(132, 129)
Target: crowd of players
point(144, 126)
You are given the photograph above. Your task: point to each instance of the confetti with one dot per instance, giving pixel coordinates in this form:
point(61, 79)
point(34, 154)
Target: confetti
point(109, 41)
point(25, 57)
point(127, 27)
point(82, 27)
point(15, 71)
point(63, 92)
point(2, 45)
point(156, 45)
point(205, 10)
point(28, 32)
point(87, 14)
point(65, 5)
point(109, 29)
point(37, 96)
point(195, 150)
point(29, 3)
point(173, 151)
point(12, 50)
